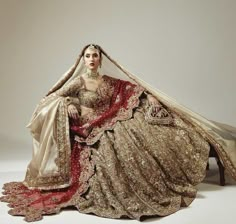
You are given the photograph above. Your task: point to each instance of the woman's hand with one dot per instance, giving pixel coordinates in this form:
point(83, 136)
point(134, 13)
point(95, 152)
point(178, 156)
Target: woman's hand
point(72, 111)
point(154, 103)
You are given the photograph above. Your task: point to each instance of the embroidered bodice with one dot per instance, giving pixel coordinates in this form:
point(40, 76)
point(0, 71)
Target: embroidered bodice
point(88, 98)
point(99, 100)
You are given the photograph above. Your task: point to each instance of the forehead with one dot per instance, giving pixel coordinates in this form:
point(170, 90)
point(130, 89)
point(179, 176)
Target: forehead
point(91, 51)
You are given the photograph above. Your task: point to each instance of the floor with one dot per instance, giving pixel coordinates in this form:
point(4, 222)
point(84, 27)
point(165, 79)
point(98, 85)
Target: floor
point(214, 203)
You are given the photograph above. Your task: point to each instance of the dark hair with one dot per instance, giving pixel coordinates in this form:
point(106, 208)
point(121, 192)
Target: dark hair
point(95, 46)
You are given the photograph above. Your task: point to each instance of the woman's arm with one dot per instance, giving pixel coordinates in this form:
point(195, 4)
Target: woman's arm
point(70, 92)
point(71, 89)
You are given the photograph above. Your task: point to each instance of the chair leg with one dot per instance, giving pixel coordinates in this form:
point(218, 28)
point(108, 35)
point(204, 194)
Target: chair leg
point(214, 154)
point(208, 166)
point(222, 172)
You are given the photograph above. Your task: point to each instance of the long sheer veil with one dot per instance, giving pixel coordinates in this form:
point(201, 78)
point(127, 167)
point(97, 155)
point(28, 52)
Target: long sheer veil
point(112, 68)
point(222, 136)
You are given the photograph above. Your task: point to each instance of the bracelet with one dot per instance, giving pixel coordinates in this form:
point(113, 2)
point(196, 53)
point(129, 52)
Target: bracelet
point(161, 117)
point(71, 100)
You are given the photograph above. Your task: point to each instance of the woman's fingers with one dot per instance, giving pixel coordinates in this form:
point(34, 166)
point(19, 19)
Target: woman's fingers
point(73, 112)
point(157, 108)
point(70, 113)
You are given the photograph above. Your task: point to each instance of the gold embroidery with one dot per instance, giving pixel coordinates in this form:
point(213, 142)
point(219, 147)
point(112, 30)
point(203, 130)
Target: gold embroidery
point(142, 170)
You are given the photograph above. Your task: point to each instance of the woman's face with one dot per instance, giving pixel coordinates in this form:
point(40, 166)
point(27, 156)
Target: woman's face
point(91, 58)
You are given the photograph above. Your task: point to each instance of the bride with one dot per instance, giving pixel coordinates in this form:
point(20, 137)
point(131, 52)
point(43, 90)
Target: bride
point(109, 144)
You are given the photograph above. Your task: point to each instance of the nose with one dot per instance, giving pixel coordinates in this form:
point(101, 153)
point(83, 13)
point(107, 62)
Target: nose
point(91, 58)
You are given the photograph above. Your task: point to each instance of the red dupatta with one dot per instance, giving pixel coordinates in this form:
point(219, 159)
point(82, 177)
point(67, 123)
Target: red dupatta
point(124, 95)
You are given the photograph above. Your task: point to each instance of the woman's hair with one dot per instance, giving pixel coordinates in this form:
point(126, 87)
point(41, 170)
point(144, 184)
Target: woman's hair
point(94, 46)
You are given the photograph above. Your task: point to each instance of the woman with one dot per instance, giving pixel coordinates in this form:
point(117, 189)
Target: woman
point(114, 147)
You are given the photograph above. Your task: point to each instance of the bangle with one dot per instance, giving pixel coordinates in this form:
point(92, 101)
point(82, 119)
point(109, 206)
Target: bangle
point(71, 100)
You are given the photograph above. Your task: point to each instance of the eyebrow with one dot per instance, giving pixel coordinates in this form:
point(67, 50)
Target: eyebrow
point(92, 53)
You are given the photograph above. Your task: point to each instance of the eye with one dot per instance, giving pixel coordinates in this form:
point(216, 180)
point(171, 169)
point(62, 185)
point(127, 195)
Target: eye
point(87, 55)
point(95, 55)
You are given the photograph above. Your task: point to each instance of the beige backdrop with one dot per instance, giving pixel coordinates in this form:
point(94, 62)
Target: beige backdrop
point(186, 48)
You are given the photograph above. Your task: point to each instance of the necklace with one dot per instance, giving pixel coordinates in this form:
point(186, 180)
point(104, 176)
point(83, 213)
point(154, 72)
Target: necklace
point(92, 74)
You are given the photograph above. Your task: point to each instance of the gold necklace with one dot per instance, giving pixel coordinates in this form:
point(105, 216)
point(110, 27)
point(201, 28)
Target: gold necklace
point(92, 74)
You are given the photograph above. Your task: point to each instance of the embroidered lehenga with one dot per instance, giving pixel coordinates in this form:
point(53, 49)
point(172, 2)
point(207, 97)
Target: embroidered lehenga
point(133, 162)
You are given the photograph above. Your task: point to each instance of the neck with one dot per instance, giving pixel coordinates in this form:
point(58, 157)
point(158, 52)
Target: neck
point(93, 74)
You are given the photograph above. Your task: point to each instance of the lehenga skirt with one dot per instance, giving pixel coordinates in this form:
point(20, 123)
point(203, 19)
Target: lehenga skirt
point(143, 169)
point(136, 169)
